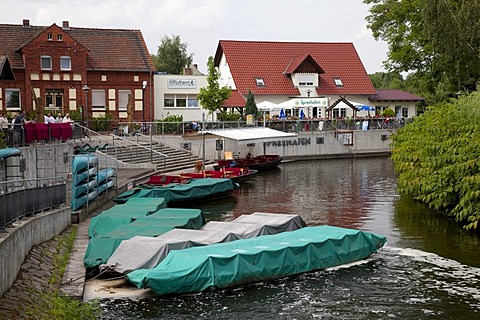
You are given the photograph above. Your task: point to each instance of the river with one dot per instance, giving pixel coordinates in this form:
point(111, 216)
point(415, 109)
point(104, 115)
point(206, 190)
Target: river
point(429, 269)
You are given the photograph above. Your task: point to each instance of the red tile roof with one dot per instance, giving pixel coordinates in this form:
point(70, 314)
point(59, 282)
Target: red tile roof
point(394, 95)
point(249, 60)
point(109, 49)
point(236, 100)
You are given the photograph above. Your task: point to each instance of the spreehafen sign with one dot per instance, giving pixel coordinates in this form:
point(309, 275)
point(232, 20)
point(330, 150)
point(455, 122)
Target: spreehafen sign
point(284, 143)
point(181, 83)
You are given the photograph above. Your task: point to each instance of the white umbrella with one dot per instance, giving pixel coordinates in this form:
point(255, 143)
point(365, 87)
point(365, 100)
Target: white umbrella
point(266, 106)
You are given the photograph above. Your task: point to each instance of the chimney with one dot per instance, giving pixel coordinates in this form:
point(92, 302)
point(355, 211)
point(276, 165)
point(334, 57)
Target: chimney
point(187, 71)
point(65, 25)
point(26, 23)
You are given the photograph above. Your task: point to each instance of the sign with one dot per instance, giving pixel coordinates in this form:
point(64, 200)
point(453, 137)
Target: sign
point(249, 120)
point(181, 83)
point(311, 102)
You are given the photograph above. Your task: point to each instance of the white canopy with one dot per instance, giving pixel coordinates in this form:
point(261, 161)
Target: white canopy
point(254, 133)
point(342, 104)
point(266, 106)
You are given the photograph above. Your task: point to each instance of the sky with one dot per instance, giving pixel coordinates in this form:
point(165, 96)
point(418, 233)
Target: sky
point(202, 23)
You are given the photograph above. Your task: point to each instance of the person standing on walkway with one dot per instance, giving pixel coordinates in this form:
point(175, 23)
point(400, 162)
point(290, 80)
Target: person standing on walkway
point(18, 129)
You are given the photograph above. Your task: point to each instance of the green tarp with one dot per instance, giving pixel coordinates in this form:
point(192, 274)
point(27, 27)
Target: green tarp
point(227, 264)
point(195, 189)
point(111, 227)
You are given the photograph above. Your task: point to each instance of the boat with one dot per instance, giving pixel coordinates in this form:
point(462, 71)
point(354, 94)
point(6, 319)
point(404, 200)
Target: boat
point(127, 257)
point(83, 162)
point(9, 152)
point(177, 190)
point(263, 258)
point(264, 162)
point(145, 217)
point(237, 174)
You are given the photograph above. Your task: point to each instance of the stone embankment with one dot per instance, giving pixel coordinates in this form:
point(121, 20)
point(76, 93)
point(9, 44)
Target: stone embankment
point(39, 275)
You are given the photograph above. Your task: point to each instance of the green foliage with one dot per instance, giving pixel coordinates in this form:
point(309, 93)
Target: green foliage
point(172, 55)
point(428, 38)
point(56, 307)
point(102, 123)
point(3, 143)
point(388, 112)
point(75, 115)
point(251, 106)
point(387, 80)
point(436, 157)
point(173, 125)
point(212, 96)
point(228, 116)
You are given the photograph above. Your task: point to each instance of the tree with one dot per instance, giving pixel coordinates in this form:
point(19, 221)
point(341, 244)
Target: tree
point(212, 96)
point(172, 55)
point(436, 158)
point(428, 38)
point(250, 105)
point(387, 80)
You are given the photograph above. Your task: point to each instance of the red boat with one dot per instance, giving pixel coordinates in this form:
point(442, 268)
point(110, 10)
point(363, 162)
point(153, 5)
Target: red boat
point(237, 174)
point(256, 163)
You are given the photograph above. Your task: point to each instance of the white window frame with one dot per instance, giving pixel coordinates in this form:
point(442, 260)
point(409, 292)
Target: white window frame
point(260, 82)
point(45, 59)
point(306, 80)
point(68, 60)
point(8, 93)
point(338, 82)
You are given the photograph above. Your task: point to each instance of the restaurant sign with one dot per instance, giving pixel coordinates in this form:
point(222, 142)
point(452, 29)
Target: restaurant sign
point(181, 83)
point(311, 102)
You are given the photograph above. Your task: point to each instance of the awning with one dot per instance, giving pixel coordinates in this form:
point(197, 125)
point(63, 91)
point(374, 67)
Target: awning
point(256, 133)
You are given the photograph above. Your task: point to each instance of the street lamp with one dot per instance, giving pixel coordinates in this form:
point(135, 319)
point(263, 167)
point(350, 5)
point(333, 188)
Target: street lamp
point(85, 89)
point(144, 86)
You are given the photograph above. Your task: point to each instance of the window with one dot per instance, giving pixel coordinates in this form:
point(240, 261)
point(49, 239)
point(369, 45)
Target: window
point(306, 80)
point(98, 99)
point(169, 101)
point(123, 99)
point(59, 37)
point(181, 101)
point(49, 36)
point(192, 102)
point(12, 98)
point(340, 112)
point(404, 112)
point(54, 99)
point(46, 62)
point(338, 82)
point(65, 63)
point(260, 82)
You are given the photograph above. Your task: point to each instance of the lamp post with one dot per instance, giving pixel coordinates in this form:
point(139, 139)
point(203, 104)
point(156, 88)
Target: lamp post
point(85, 89)
point(144, 86)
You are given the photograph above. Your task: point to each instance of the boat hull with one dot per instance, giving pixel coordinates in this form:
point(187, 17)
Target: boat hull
point(258, 163)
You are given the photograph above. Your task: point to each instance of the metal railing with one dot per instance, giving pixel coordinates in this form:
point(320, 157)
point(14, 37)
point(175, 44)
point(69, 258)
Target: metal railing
point(20, 198)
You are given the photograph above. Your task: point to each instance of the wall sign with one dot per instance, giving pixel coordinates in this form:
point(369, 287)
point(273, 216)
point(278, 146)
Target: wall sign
point(181, 83)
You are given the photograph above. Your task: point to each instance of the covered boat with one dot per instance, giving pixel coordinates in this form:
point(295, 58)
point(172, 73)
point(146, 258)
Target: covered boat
point(237, 174)
point(191, 190)
point(127, 257)
point(267, 257)
point(107, 237)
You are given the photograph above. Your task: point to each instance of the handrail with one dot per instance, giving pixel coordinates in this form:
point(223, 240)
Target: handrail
point(139, 145)
point(151, 137)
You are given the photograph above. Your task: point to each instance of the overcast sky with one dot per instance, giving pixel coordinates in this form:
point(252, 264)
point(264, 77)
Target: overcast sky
point(202, 23)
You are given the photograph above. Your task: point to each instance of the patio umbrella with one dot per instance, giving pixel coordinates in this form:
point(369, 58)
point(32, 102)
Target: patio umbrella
point(282, 114)
point(302, 114)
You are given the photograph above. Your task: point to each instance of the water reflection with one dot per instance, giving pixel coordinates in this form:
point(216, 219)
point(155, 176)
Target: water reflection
point(426, 271)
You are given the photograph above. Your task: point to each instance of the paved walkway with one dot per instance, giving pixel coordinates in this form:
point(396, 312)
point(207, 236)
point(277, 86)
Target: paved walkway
point(73, 284)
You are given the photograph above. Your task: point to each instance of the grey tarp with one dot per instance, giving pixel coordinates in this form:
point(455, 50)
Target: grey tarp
point(145, 253)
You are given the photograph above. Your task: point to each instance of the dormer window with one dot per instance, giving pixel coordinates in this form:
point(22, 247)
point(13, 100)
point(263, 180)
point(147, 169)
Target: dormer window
point(338, 82)
point(260, 82)
point(59, 37)
point(49, 36)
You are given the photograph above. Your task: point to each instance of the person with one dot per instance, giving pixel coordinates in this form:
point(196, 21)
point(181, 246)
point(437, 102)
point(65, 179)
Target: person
point(59, 118)
point(18, 122)
point(67, 119)
point(3, 122)
point(51, 119)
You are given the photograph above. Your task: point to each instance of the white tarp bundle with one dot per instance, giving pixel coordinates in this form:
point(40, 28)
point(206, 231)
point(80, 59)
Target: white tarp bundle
point(147, 252)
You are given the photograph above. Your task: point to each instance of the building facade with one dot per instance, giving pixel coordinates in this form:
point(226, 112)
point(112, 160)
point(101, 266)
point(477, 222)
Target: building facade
point(91, 72)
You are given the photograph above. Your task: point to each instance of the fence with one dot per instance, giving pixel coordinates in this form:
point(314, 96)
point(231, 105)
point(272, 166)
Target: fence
point(22, 198)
